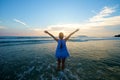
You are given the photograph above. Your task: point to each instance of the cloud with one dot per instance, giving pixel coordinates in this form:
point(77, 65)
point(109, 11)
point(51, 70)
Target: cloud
point(93, 26)
point(2, 27)
point(101, 19)
point(63, 27)
point(23, 23)
point(18, 21)
point(36, 29)
point(106, 11)
point(27, 26)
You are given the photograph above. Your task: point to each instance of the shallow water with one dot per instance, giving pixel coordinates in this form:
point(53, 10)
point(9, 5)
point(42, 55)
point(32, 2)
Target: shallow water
point(91, 60)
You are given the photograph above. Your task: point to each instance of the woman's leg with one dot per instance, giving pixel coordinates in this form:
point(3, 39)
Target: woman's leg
point(63, 63)
point(59, 62)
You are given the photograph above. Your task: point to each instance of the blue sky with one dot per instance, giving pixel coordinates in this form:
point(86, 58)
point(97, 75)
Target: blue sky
point(32, 17)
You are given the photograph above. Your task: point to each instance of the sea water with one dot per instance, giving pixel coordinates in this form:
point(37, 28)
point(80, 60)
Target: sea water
point(33, 58)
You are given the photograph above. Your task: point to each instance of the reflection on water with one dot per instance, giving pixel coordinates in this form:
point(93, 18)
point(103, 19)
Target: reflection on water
point(94, 49)
point(92, 60)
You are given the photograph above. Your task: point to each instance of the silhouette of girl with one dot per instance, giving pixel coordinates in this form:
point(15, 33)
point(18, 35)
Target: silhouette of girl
point(61, 50)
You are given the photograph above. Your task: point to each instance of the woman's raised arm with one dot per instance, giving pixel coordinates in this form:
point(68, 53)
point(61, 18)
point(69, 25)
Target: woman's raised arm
point(51, 35)
point(71, 34)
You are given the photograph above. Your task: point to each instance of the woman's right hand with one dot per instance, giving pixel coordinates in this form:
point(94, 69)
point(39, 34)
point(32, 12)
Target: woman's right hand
point(46, 31)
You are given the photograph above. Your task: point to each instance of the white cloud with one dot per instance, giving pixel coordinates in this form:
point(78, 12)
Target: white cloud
point(36, 29)
point(102, 19)
point(23, 23)
point(94, 25)
point(106, 11)
point(18, 21)
point(2, 27)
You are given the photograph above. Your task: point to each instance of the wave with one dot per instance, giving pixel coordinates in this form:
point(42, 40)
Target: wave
point(38, 41)
point(15, 40)
point(22, 37)
point(83, 39)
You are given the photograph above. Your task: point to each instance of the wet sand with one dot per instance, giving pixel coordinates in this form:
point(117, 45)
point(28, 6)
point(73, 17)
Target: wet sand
point(92, 60)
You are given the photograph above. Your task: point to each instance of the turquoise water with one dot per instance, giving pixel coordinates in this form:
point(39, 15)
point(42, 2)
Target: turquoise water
point(89, 60)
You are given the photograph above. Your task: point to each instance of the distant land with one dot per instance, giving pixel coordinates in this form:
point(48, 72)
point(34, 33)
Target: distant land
point(118, 35)
point(82, 36)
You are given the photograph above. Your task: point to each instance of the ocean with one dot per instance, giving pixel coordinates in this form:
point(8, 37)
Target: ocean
point(33, 58)
point(17, 40)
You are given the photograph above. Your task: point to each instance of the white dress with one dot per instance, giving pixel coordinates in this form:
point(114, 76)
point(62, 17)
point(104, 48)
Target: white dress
point(61, 50)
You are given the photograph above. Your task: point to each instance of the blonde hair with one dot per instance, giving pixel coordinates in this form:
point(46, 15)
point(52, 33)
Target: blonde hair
point(61, 35)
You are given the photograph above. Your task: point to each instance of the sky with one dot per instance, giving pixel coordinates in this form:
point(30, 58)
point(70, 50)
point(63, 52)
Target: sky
point(32, 17)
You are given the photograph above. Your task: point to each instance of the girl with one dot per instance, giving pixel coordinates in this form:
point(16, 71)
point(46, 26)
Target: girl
point(61, 50)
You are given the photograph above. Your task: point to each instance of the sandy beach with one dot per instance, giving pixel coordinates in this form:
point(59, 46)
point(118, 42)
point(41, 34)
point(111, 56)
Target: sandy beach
point(90, 60)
